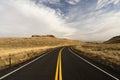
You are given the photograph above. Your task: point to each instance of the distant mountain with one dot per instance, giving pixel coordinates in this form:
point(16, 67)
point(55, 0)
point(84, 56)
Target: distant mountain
point(115, 39)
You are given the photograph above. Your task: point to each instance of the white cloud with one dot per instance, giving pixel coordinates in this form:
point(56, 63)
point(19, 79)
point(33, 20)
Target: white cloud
point(72, 2)
point(22, 18)
point(96, 25)
point(101, 27)
point(48, 1)
point(104, 3)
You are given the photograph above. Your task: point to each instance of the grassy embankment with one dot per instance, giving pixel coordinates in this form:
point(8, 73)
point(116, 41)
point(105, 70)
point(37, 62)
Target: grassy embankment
point(108, 54)
point(22, 49)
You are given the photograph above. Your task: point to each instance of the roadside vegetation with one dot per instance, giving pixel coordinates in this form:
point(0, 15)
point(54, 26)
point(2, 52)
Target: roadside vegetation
point(18, 50)
point(106, 53)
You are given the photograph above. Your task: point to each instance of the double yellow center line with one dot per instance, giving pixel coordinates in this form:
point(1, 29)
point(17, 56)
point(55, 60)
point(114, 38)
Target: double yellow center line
point(58, 74)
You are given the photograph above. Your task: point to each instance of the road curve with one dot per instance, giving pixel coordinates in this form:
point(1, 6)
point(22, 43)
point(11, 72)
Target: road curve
point(59, 64)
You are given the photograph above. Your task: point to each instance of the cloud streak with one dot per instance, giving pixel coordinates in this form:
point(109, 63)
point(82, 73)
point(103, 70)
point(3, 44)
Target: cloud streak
point(98, 24)
point(23, 18)
point(105, 3)
point(72, 2)
point(76, 19)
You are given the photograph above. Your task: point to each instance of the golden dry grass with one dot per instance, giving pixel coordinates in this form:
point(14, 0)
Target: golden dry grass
point(107, 53)
point(34, 42)
point(21, 55)
point(22, 49)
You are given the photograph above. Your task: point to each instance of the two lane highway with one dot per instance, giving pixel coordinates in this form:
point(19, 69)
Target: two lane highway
point(59, 64)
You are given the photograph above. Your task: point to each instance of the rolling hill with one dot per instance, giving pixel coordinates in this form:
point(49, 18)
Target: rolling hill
point(115, 39)
point(21, 49)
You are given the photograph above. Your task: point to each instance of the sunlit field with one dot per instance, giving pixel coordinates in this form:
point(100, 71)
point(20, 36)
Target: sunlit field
point(105, 53)
point(22, 49)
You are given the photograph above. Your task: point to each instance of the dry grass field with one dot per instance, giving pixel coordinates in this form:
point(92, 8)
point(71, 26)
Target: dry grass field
point(22, 49)
point(106, 53)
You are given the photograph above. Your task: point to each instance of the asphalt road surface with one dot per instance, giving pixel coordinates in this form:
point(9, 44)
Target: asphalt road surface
point(59, 64)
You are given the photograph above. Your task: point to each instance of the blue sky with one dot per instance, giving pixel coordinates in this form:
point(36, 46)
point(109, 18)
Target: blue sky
point(87, 20)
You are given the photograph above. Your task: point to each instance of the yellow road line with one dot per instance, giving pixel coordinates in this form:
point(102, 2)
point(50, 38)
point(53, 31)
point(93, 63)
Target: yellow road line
point(58, 74)
point(60, 69)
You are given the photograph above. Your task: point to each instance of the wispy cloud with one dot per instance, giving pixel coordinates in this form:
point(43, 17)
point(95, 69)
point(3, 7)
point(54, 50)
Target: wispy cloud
point(105, 3)
point(93, 20)
point(48, 1)
point(97, 24)
point(72, 2)
point(100, 27)
point(23, 18)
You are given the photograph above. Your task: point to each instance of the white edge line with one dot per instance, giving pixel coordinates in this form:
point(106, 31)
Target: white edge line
point(23, 66)
point(93, 65)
